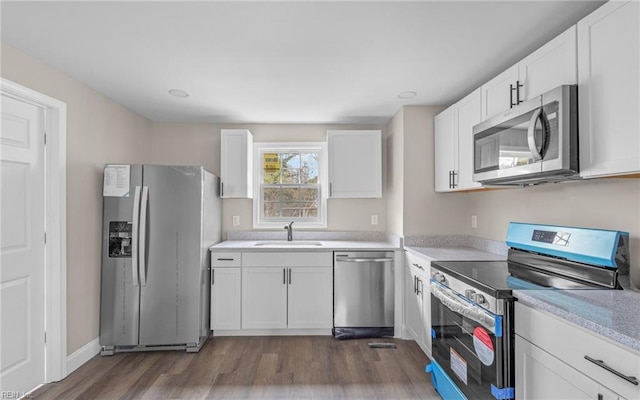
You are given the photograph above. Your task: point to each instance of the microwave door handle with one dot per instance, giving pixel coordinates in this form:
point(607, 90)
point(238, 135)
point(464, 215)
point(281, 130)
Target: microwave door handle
point(531, 135)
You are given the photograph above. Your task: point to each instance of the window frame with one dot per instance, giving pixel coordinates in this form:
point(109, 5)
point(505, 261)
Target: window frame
point(323, 178)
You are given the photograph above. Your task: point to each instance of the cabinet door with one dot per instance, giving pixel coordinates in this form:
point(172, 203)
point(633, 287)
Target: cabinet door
point(425, 289)
point(355, 164)
point(550, 66)
point(310, 297)
point(608, 95)
point(225, 298)
point(469, 114)
point(413, 322)
point(445, 144)
point(264, 298)
point(539, 375)
point(236, 163)
point(497, 95)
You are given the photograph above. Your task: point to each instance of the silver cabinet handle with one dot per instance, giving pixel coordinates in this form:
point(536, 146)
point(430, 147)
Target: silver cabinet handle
point(213, 276)
point(418, 266)
point(602, 364)
point(225, 259)
point(284, 276)
point(135, 272)
point(221, 189)
point(289, 276)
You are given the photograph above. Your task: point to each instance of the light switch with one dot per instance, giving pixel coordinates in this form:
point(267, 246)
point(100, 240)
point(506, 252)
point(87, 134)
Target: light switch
point(474, 221)
point(236, 220)
point(374, 219)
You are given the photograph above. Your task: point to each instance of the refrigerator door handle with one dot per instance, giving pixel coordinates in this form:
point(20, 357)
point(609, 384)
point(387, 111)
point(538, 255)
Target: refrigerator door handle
point(134, 237)
point(143, 235)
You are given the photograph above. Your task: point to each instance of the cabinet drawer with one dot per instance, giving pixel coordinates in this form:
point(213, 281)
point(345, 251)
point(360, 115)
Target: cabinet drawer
point(287, 259)
point(225, 259)
point(571, 343)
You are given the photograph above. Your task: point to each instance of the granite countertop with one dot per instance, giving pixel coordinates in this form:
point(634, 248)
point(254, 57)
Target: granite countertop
point(325, 245)
point(456, 254)
point(610, 313)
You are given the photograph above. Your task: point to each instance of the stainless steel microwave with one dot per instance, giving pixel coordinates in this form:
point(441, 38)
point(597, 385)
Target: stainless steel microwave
point(535, 142)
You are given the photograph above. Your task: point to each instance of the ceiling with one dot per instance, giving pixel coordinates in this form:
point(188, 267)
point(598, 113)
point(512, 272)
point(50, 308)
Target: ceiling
point(283, 62)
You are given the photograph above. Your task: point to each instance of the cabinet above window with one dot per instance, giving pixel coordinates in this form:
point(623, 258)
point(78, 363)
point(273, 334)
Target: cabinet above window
point(355, 163)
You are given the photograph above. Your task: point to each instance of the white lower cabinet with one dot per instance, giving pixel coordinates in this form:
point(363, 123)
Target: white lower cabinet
point(264, 298)
point(556, 359)
point(226, 289)
point(289, 290)
point(418, 300)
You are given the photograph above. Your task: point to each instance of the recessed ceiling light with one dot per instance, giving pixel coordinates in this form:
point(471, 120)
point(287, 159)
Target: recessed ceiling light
point(178, 93)
point(408, 94)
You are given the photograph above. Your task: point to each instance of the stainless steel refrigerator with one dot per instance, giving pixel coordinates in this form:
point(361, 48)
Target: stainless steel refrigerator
point(158, 223)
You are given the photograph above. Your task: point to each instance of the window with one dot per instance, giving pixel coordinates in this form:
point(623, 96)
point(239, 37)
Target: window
point(289, 182)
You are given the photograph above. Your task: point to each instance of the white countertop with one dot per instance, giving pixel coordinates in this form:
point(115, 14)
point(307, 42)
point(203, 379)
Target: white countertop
point(326, 245)
point(455, 253)
point(610, 313)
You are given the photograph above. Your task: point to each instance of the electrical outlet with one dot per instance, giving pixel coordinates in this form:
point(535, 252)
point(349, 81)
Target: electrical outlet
point(474, 221)
point(374, 219)
point(236, 220)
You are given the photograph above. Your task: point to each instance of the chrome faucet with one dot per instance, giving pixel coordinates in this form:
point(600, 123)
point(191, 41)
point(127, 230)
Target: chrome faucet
point(289, 231)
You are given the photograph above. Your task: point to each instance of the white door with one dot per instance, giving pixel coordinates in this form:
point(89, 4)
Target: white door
point(22, 361)
point(264, 298)
point(310, 298)
point(226, 284)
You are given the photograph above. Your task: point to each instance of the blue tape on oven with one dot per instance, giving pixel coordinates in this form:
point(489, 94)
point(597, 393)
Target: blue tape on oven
point(504, 393)
point(444, 385)
point(498, 326)
point(433, 333)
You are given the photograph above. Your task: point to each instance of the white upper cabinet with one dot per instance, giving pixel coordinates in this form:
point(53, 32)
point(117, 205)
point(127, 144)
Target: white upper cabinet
point(499, 94)
point(446, 151)
point(454, 144)
point(469, 113)
point(355, 163)
point(236, 163)
point(608, 91)
point(552, 65)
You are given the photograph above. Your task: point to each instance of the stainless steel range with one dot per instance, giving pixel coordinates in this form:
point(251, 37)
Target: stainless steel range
point(472, 305)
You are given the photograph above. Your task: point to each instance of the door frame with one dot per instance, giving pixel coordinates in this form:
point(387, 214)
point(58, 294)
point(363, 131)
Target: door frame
point(55, 125)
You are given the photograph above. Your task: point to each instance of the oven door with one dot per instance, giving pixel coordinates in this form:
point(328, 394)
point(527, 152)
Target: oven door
point(471, 345)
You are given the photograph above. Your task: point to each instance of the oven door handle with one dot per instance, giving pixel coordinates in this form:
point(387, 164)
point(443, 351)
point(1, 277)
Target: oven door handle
point(459, 306)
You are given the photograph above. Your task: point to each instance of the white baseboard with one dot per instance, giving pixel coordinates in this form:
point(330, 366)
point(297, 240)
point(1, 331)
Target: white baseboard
point(82, 355)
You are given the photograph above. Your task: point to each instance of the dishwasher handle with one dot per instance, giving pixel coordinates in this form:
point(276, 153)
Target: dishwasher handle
point(364, 260)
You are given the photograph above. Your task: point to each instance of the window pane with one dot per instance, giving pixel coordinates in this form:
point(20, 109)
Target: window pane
point(290, 160)
point(309, 210)
point(271, 177)
point(307, 194)
point(289, 193)
point(309, 173)
point(272, 194)
point(272, 209)
point(290, 175)
point(290, 210)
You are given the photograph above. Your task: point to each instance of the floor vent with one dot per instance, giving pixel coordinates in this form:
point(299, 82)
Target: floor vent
point(382, 345)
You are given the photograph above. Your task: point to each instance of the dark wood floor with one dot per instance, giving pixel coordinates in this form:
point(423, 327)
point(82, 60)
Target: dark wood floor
point(296, 367)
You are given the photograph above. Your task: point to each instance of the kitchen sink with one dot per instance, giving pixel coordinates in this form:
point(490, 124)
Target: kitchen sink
point(285, 243)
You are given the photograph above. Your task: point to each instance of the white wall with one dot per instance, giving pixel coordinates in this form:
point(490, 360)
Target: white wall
point(200, 144)
point(98, 131)
point(393, 140)
point(604, 203)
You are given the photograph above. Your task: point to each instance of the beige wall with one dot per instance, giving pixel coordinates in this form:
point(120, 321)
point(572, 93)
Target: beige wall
point(200, 144)
point(425, 211)
point(602, 203)
point(413, 208)
point(98, 131)
point(393, 140)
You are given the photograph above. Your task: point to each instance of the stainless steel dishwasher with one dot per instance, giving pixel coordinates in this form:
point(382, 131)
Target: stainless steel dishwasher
point(363, 301)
